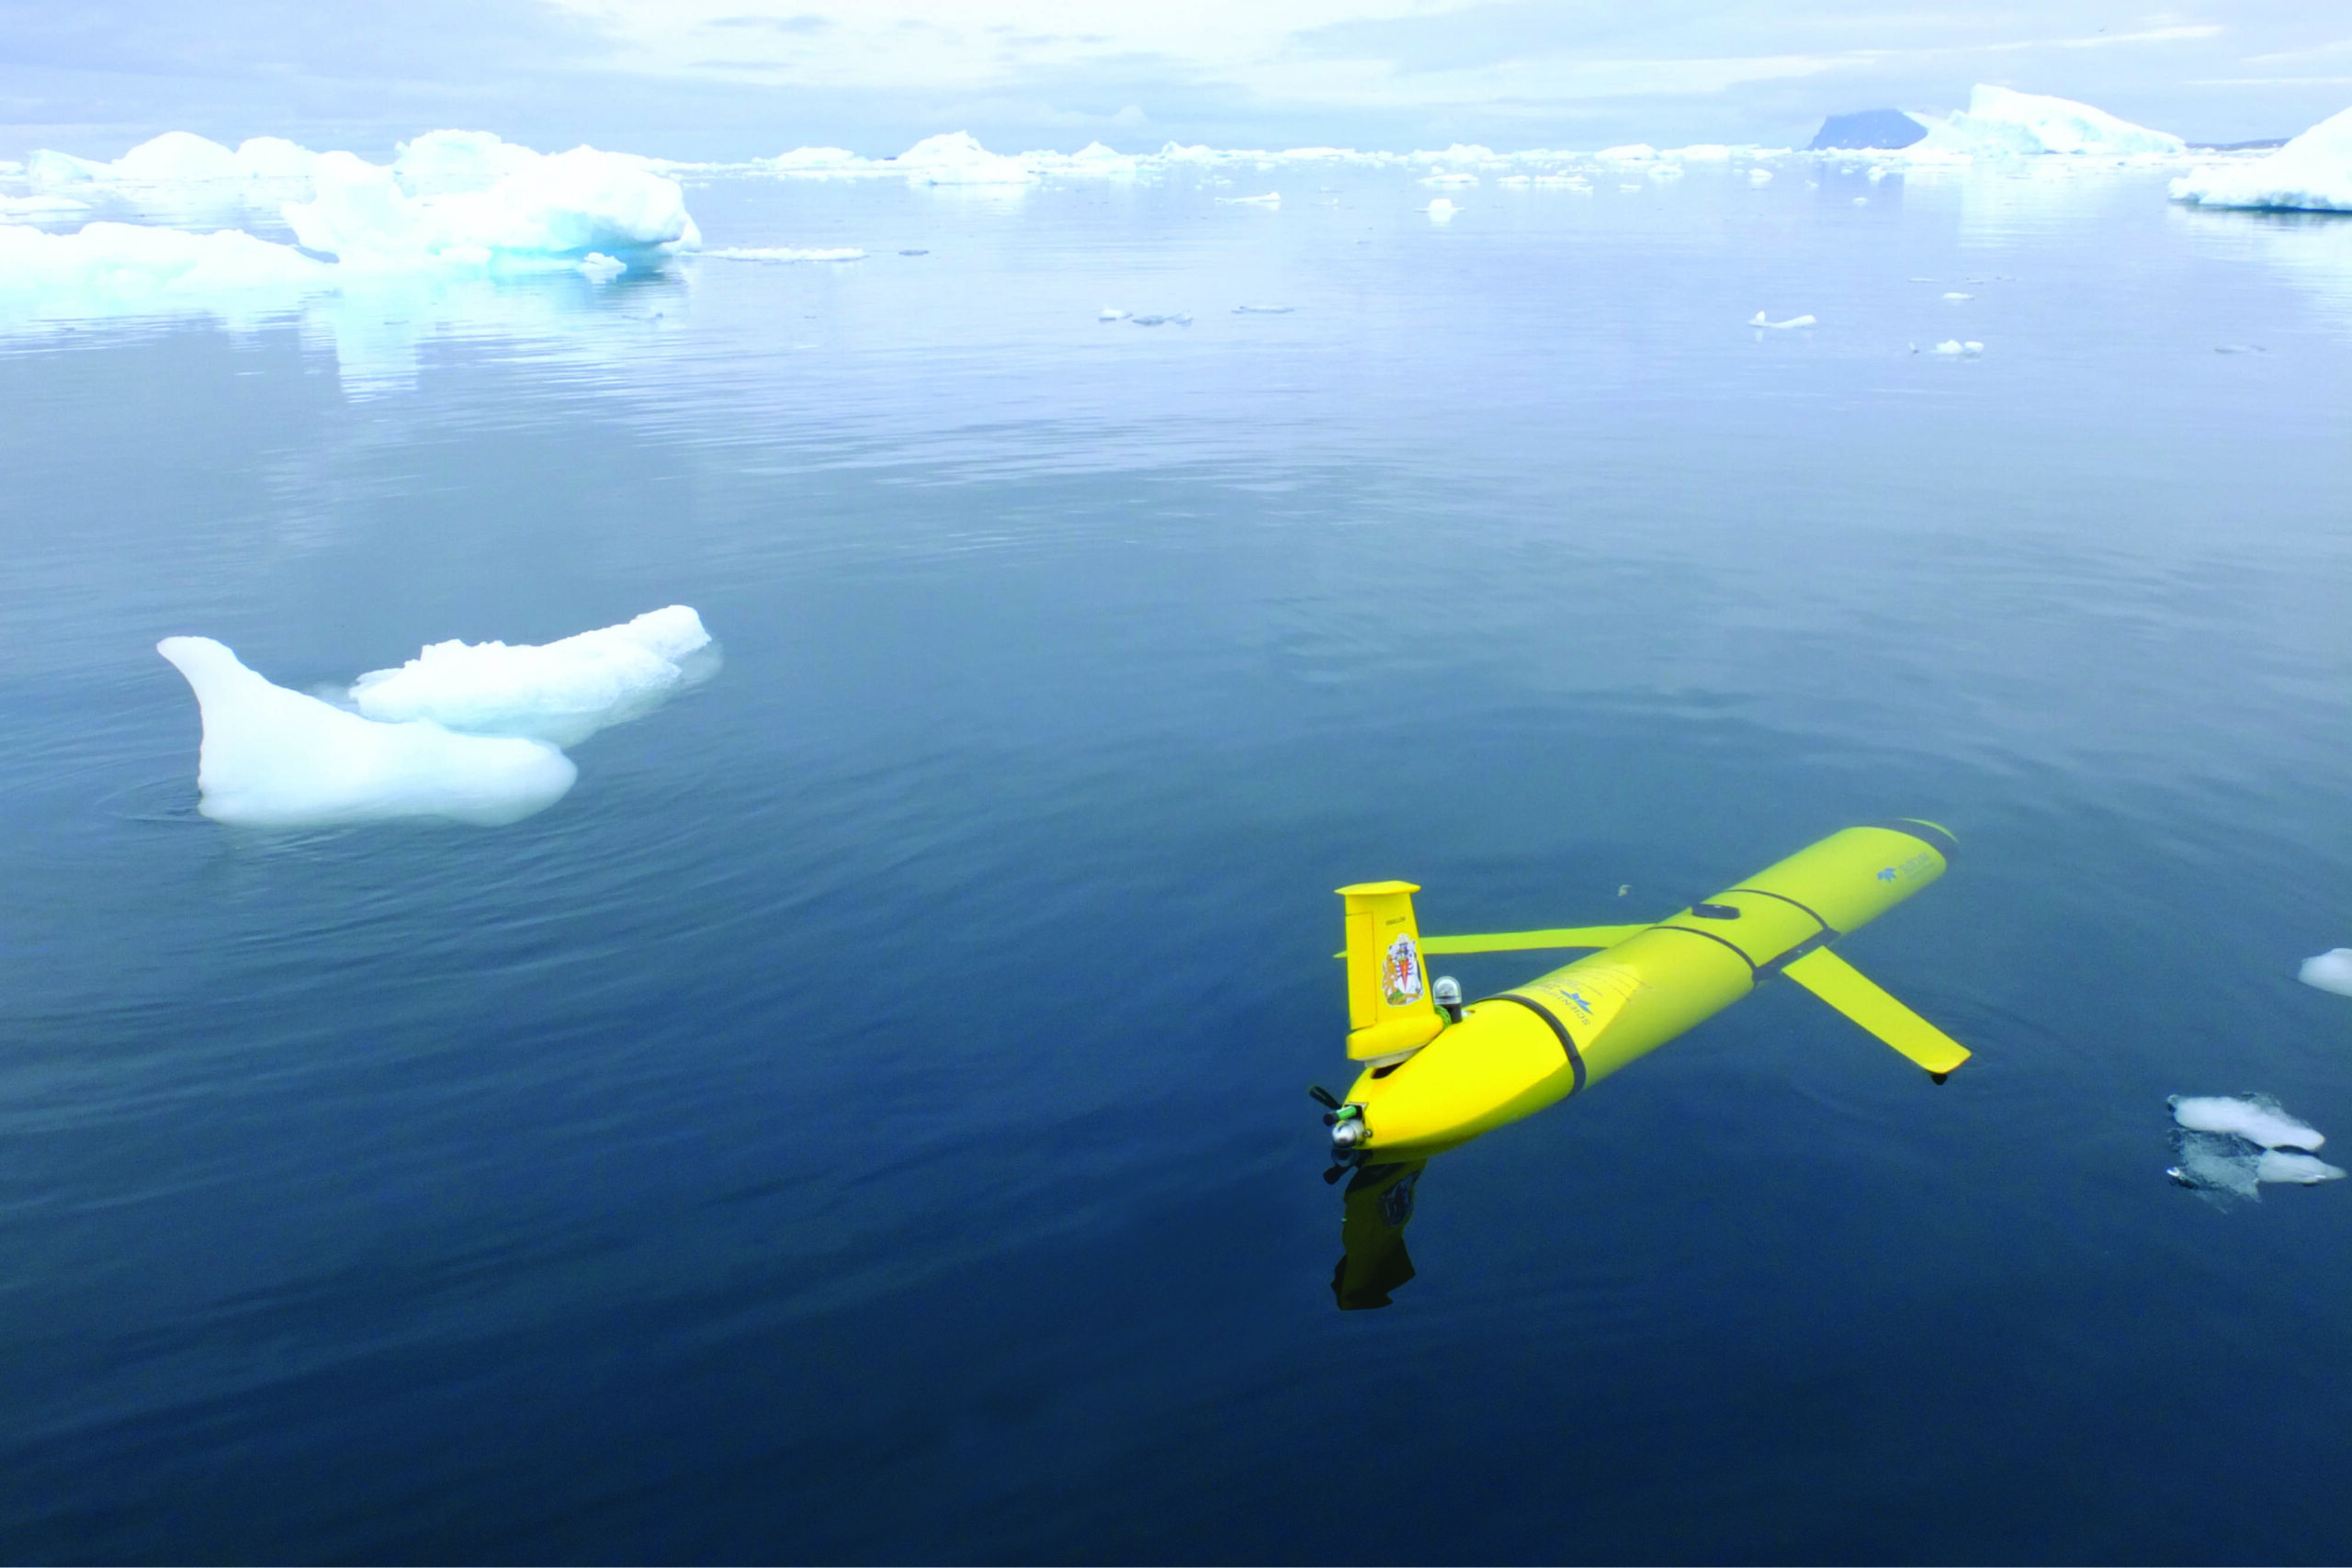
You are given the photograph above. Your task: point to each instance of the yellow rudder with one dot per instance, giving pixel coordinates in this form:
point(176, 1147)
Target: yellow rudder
point(1389, 1009)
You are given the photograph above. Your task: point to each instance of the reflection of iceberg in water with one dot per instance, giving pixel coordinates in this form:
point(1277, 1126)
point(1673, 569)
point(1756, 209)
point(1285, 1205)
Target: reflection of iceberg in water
point(1373, 1259)
point(2311, 250)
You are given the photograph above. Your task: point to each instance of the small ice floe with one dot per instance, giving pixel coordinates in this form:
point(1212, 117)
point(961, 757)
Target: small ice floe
point(1111, 315)
point(2331, 971)
point(1441, 211)
point(1443, 178)
point(2257, 1118)
point(2227, 1146)
point(273, 758)
point(560, 692)
point(1174, 319)
point(1956, 296)
point(1633, 188)
point(598, 267)
point(1861, 201)
point(914, 253)
point(1758, 320)
point(2239, 348)
point(789, 253)
point(1271, 199)
point(1954, 348)
point(1760, 176)
point(1263, 309)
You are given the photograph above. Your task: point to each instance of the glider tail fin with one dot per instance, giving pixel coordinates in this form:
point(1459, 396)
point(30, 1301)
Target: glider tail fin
point(1389, 1009)
point(1851, 992)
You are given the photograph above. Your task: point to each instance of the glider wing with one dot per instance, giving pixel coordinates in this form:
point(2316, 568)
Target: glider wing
point(1851, 992)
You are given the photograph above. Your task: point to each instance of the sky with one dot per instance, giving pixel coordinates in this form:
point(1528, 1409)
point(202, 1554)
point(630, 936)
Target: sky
point(739, 78)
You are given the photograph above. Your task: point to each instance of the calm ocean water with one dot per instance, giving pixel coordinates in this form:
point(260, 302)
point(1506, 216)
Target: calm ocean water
point(865, 1121)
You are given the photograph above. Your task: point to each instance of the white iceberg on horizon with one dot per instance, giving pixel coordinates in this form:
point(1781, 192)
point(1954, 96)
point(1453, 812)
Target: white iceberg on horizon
point(956, 158)
point(2001, 122)
point(177, 157)
point(275, 758)
point(2311, 173)
point(560, 692)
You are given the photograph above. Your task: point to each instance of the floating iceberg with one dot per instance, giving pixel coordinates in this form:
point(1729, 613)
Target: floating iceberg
point(105, 268)
point(1953, 348)
point(2303, 1170)
point(558, 692)
point(1263, 309)
point(177, 157)
point(2257, 1118)
point(1441, 211)
point(2311, 173)
point(464, 198)
point(957, 159)
point(275, 758)
point(2332, 970)
point(1271, 199)
point(1868, 129)
point(2001, 122)
point(1758, 320)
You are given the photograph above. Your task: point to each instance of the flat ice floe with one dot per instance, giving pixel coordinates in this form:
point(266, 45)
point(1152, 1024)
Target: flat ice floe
point(105, 268)
point(1758, 320)
point(2230, 1145)
point(2311, 173)
point(2332, 970)
point(278, 759)
point(560, 692)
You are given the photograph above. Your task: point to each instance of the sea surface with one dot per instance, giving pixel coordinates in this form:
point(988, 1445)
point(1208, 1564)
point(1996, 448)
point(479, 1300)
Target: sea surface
point(867, 1120)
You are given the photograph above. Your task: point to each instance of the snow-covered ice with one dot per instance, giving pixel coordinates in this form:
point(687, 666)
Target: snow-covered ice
point(271, 757)
point(559, 691)
point(103, 266)
point(786, 254)
point(1956, 296)
point(466, 200)
point(2332, 970)
point(1271, 199)
point(1951, 347)
point(1263, 309)
point(2312, 172)
point(2257, 1118)
point(2001, 121)
point(1441, 211)
point(1760, 176)
point(1758, 320)
point(177, 157)
point(1111, 313)
point(958, 159)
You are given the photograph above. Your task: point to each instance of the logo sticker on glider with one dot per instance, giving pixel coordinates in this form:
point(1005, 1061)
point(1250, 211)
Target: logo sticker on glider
point(1400, 973)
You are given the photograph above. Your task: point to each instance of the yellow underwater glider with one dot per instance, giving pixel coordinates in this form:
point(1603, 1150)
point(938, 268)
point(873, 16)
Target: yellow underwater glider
point(1437, 1073)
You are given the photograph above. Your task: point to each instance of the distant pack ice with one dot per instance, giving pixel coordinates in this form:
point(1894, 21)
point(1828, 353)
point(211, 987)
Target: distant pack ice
point(560, 692)
point(2311, 173)
point(278, 759)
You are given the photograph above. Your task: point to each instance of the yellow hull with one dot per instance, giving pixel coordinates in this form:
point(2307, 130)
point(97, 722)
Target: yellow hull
point(1514, 1054)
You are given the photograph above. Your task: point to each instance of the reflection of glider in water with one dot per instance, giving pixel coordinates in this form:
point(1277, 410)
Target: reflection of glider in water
point(1437, 1073)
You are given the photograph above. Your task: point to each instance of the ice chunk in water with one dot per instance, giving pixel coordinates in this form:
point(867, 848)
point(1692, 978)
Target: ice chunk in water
point(2331, 971)
point(2257, 1118)
point(1441, 211)
point(1271, 199)
point(275, 758)
point(1758, 320)
point(1263, 309)
point(1957, 349)
point(2303, 1170)
point(561, 692)
point(2312, 172)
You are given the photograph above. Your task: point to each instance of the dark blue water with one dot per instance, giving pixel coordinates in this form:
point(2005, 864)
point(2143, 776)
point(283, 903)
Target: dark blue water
point(865, 1121)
